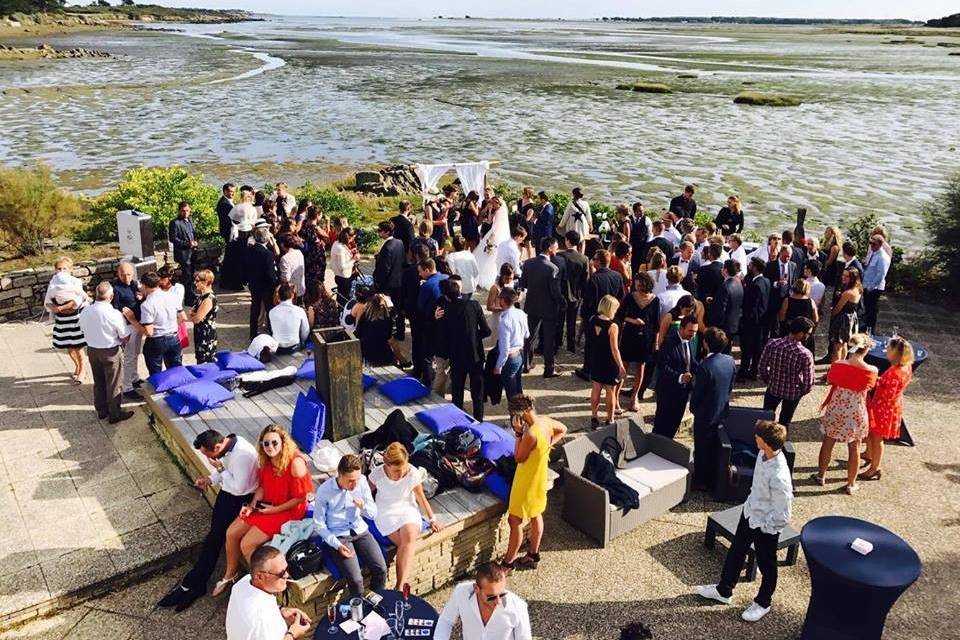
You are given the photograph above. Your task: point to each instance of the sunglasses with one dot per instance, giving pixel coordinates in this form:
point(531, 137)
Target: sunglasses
point(270, 443)
point(283, 575)
point(495, 597)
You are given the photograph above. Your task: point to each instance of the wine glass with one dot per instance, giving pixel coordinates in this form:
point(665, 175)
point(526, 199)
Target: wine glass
point(332, 618)
point(406, 596)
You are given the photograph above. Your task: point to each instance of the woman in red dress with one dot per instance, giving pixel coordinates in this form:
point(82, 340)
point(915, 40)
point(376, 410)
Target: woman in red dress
point(886, 406)
point(285, 485)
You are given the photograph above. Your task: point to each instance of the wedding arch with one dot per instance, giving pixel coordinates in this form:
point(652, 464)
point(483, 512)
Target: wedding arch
point(473, 176)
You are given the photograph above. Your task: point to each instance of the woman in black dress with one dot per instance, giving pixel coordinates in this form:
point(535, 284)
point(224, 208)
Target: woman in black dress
point(606, 367)
point(470, 220)
point(640, 317)
point(204, 317)
point(729, 219)
point(799, 305)
point(375, 331)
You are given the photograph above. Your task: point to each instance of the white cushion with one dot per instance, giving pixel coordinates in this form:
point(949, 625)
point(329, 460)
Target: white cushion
point(641, 490)
point(652, 471)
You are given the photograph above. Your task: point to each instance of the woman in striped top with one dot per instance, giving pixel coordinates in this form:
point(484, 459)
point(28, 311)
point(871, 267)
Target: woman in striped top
point(64, 299)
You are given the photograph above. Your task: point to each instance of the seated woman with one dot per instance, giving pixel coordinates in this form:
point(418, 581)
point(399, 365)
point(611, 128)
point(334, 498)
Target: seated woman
point(322, 312)
point(285, 485)
point(398, 490)
point(375, 331)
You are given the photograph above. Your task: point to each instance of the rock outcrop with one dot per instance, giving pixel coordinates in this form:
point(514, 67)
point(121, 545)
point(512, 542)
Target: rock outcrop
point(46, 51)
point(394, 180)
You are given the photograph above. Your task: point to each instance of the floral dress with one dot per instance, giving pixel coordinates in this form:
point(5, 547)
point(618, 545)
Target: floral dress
point(314, 256)
point(205, 331)
point(845, 417)
point(886, 406)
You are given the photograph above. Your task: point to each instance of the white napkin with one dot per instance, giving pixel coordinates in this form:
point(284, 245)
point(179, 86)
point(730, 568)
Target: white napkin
point(375, 627)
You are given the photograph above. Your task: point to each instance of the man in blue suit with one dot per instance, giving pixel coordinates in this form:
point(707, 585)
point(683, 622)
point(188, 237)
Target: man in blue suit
point(709, 402)
point(677, 361)
point(543, 225)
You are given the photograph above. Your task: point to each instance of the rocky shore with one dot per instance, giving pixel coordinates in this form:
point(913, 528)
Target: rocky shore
point(80, 18)
point(46, 51)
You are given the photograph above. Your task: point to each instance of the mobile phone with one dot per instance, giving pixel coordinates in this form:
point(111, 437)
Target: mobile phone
point(261, 504)
point(374, 598)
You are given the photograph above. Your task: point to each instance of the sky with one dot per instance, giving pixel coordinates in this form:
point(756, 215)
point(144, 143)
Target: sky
point(917, 10)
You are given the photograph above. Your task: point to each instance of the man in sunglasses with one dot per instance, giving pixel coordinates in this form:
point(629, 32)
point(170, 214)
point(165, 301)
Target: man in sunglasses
point(502, 615)
point(253, 613)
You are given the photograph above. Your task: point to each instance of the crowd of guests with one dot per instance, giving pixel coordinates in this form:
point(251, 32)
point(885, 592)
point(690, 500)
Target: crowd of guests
point(659, 299)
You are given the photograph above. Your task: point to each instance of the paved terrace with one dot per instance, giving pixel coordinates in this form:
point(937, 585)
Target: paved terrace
point(83, 504)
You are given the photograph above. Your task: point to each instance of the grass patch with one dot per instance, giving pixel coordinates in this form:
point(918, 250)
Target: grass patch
point(766, 99)
point(646, 87)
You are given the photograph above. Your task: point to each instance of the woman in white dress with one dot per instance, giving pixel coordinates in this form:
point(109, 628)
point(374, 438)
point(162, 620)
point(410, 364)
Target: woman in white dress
point(398, 490)
point(486, 251)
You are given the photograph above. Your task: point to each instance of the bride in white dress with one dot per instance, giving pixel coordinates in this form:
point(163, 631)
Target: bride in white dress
point(486, 251)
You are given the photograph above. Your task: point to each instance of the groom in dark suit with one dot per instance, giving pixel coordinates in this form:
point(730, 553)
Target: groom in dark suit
point(676, 363)
point(709, 403)
point(464, 327)
point(541, 280)
point(224, 206)
point(725, 310)
point(756, 299)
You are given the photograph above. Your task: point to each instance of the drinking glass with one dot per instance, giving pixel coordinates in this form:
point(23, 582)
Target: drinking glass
point(406, 596)
point(332, 618)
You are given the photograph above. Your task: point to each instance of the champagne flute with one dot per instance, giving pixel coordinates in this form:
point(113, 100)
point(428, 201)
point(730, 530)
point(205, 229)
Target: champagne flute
point(332, 618)
point(406, 596)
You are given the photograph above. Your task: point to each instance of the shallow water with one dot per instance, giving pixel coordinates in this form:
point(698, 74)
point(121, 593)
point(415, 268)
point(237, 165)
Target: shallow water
point(877, 132)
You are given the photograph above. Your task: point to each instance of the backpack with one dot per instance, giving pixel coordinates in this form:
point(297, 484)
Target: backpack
point(461, 442)
point(469, 472)
point(430, 458)
point(303, 558)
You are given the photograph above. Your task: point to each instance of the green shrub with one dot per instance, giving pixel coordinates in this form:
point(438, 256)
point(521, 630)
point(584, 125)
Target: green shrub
point(332, 203)
point(860, 230)
point(156, 192)
point(34, 208)
point(942, 216)
point(766, 99)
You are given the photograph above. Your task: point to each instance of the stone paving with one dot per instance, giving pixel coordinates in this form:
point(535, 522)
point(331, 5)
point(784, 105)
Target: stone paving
point(579, 592)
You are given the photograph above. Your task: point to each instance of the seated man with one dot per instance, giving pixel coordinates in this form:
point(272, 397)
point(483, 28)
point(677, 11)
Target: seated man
point(339, 506)
point(503, 615)
point(252, 613)
point(288, 322)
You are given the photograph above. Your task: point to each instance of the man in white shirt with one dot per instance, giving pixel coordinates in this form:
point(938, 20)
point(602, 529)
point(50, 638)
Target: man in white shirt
point(577, 216)
point(286, 203)
point(811, 271)
point(288, 322)
point(486, 610)
point(159, 314)
point(463, 263)
point(508, 251)
point(513, 331)
point(253, 613)
point(670, 231)
point(235, 464)
point(671, 296)
point(105, 331)
point(737, 252)
point(765, 514)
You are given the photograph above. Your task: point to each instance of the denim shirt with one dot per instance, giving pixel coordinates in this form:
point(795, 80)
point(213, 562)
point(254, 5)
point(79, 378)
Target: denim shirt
point(771, 495)
point(335, 515)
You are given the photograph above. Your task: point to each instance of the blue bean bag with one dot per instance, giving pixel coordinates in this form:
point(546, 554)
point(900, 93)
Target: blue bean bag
point(170, 378)
point(239, 361)
point(444, 418)
point(498, 486)
point(211, 371)
point(403, 390)
point(307, 423)
point(314, 396)
point(368, 381)
point(181, 406)
point(202, 394)
point(497, 442)
point(307, 370)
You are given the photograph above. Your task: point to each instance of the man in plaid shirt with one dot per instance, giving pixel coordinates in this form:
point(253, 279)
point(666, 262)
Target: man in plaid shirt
point(787, 368)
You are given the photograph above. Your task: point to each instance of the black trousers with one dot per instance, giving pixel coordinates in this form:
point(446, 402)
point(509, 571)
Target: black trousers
point(259, 300)
point(400, 326)
point(458, 377)
point(751, 346)
point(669, 412)
point(344, 287)
point(226, 508)
point(567, 325)
point(765, 546)
point(771, 402)
point(871, 307)
point(422, 349)
point(704, 452)
point(548, 341)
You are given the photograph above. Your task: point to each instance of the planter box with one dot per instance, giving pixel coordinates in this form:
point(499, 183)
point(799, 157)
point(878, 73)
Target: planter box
point(339, 368)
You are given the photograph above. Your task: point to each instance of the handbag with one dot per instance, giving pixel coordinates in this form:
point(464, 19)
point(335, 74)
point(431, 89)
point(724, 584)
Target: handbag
point(182, 334)
point(303, 558)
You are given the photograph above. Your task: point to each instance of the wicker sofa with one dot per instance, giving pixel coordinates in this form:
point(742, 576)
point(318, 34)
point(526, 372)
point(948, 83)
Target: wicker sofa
point(658, 469)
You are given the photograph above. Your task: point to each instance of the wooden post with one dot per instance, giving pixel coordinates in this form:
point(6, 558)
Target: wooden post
point(339, 368)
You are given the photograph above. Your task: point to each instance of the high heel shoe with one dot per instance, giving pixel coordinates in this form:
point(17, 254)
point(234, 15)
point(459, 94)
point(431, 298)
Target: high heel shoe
point(871, 476)
point(819, 479)
point(851, 489)
point(222, 586)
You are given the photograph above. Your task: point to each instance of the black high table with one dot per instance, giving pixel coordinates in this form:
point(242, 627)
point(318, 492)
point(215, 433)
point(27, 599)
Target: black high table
point(851, 593)
point(419, 609)
point(878, 358)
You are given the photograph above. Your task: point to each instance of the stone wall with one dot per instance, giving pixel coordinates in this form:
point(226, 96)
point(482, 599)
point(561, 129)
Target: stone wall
point(22, 292)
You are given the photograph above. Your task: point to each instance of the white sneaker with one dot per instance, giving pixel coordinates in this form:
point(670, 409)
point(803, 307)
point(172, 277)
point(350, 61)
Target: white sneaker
point(754, 612)
point(709, 591)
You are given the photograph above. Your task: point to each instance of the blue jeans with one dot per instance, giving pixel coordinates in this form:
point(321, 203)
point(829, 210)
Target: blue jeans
point(510, 375)
point(162, 351)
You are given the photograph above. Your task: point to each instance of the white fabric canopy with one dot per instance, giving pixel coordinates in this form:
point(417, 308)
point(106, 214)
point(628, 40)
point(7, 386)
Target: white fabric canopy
point(472, 176)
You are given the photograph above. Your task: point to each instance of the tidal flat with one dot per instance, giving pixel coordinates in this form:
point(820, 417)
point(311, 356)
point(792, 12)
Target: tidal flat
point(876, 130)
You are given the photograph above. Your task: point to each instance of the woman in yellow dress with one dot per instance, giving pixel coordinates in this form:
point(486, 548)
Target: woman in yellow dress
point(528, 495)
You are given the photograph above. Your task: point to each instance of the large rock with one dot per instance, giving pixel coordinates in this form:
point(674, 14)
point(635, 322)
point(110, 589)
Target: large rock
point(394, 180)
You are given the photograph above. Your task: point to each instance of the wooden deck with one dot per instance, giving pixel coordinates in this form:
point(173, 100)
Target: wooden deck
point(474, 522)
